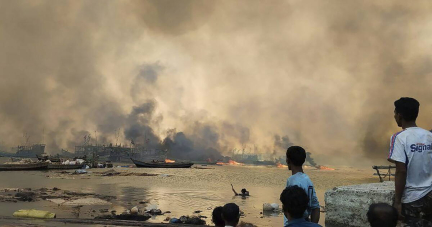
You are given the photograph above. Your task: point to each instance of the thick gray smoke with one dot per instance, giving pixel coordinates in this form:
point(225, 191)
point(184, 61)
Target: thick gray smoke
point(225, 75)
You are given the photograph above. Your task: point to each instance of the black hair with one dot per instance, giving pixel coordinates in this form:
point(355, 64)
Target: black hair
point(217, 217)
point(297, 155)
point(244, 190)
point(382, 215)
point(231, 212)
point(408, 108)
point(294, 201)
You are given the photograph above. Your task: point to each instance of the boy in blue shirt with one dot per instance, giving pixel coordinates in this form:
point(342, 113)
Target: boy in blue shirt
point(295, 158)
point(294, 203)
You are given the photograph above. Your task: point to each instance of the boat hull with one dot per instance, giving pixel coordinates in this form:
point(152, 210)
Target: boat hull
point(23, 167)
point(62, 166)
point(141, 164)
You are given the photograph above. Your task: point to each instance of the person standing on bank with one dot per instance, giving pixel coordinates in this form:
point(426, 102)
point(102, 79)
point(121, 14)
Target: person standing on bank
point(295, 158)
point(411, 151)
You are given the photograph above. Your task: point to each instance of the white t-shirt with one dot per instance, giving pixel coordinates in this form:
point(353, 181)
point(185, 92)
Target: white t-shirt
point(413, 146)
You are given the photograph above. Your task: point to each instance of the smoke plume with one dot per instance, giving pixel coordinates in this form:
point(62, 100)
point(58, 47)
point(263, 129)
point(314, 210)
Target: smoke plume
point(223, 74)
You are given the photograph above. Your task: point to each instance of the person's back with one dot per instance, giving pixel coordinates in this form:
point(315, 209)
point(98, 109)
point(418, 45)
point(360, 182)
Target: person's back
point(231, 214)
point(296, 156)
point(382, 215)
point(294, 203)
point(413, 146)
point(217, 217)
point(411, 151)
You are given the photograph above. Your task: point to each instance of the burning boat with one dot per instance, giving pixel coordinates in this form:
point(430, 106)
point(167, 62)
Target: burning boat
point(161, 164)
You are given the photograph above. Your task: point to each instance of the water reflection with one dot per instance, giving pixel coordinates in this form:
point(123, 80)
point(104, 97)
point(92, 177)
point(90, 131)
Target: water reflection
point(180, 191)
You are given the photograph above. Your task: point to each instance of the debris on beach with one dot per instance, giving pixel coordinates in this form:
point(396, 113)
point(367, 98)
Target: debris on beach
point(154, 212)
point(126, 216)
point(199, 167)
point(25, 196)
point(270, 207)
point(80, 171)
point(34, 214)
point(193, 220)
point(54, 195)
point(116, 173)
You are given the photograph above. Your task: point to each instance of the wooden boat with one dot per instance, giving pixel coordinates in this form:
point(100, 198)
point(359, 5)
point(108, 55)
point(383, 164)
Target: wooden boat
point(64, 166)
point(141, 164)
point(27, 166)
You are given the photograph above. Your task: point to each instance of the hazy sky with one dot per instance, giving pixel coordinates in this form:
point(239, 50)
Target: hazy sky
point(225, 73)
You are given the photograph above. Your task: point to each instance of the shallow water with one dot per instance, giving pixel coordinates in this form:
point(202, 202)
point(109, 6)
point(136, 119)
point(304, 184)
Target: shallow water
point(181, 191)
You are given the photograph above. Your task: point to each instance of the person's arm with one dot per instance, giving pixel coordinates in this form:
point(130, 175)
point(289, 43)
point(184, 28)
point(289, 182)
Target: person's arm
point(400, 181)
point(399, 157)
point(315, 215)
point(234, 190)
point(315, 207)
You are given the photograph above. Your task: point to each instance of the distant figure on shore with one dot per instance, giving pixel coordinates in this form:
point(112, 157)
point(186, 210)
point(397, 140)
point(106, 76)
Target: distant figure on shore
point(231, 214)
point(217, 217)
point(411, 151)
point(382, 215)
point(294, 204)
point(295, 157)
point(243, 193)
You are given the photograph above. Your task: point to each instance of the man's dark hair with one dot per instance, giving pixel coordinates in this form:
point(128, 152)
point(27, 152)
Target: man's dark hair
point(294, 201)
point(297, 155)
point(217, 217)
point(408, 108)
point(231, 212)
point(382, 215)
point(243, 191)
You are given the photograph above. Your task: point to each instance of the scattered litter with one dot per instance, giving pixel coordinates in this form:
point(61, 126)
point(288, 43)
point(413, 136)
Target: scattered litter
point(194, 220)
point(25, 196)
point(34, 214)
point(115, 173)
point(134, 210)
point(135, 217)
point(270, 206)
point(86, 202)
point(80, 171)
point(155, 212)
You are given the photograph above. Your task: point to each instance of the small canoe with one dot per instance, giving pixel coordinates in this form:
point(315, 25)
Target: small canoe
point(28, 166)
point(141, 164)
point(63, 166)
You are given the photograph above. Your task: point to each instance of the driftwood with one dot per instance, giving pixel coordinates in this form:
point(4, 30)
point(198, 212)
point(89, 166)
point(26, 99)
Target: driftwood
point(382, 176)
point(100, 222)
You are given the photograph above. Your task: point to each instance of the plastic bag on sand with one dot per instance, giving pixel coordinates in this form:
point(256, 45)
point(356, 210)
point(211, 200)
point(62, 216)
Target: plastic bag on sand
point(275, 206)
point(80, 171)
point(34, 214)
point(151, 207)
point(270, 206)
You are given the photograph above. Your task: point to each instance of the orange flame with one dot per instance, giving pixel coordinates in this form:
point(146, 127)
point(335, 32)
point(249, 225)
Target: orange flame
point(325, 168)
point(281, 166)
point(220, 163)
point(169, 161)
point(231, 162)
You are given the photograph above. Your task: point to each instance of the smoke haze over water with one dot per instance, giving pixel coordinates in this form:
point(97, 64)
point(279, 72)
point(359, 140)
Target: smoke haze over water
point(221, 73)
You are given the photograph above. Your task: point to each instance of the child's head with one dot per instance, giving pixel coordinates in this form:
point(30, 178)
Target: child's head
point(217, 217)
point(295, 156)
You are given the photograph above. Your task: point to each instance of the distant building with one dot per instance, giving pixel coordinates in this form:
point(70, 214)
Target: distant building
point(30, 151)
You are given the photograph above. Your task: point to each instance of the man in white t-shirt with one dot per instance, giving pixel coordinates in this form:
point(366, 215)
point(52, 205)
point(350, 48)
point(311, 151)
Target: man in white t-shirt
point(411, 151)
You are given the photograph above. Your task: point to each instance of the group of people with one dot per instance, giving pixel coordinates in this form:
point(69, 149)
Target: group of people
point(410, 150)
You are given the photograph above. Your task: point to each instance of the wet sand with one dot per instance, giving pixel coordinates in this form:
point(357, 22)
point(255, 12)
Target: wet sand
point(180, 191)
